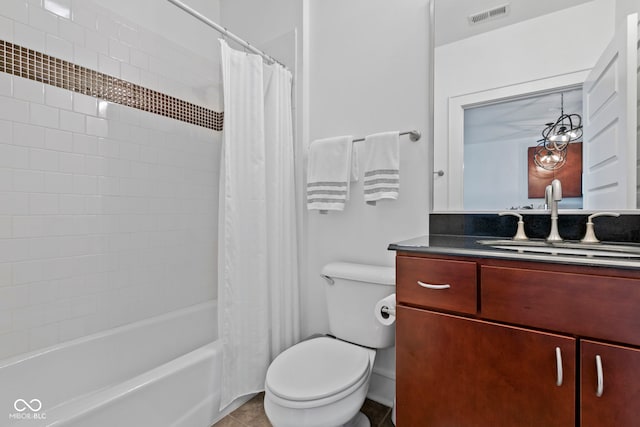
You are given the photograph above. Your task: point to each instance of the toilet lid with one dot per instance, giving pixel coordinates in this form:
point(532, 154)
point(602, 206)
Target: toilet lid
point(317, 368)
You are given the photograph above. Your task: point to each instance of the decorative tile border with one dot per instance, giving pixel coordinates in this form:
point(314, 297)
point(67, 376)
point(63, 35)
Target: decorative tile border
point(33, 65)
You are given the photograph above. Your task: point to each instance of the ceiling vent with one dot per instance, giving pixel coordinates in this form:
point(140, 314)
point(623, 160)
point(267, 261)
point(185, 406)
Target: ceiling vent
point(487, 15)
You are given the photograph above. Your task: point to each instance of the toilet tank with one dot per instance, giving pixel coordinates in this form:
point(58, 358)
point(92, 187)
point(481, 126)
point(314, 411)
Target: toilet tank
point(352, 292)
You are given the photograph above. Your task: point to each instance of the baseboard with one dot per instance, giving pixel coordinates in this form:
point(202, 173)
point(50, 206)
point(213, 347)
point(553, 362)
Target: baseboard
point(382, 389)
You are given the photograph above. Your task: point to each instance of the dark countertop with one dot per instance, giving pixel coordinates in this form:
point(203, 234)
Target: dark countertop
point(458, 245)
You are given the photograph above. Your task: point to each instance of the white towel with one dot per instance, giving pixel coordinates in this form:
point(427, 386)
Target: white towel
point(329, 172)
point(381, 166)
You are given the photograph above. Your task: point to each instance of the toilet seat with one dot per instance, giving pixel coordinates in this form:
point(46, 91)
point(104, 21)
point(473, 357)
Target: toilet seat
point(317, 369)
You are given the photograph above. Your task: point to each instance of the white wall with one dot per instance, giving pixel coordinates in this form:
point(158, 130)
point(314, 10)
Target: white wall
point(551, 45)
point(368, 73)
point(107, 214)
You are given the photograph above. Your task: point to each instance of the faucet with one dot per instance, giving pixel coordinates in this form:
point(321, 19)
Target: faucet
point(552, 195)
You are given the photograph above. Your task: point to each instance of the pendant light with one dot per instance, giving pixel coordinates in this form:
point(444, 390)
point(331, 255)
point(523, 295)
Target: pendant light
point(551, 151)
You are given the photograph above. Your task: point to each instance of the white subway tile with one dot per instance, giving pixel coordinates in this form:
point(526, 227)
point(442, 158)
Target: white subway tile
point(59, 48)
point(85, 57)
point(57, 268)
point(108, 66)
point(43, 336)
point(44, 160)
point(85, 104)
point(97, 126)
point(107, 25)
point(58, 140)
point(71, 163)
point(27, 272)
point(72, 204)
point(14, 109)
point(118, 51)
point(28, 90)
point(28, 226)
point(14, 204)
point(59, 225)
point(43, 115)
point(62, 8)
point(45, 248)
point(6, 279)
point(43, 20)
point(97, 42)
point(71, 121)
point(15, 10)
point(13, 343)
point(6, 322)
point(28, 36)
point(58, 183)
point(85, 184)
point(109, 185)
point(82, 15)
point(14, 250)
point(85, 144)
point(43, 204)
point(71, 32)
point(108, 147)
point(58, 97)
point(139, 59)
point(130, 73)
point(6, 179)
point(72, 328)
point(6, 227)
point(6, 29)
point(129, 35)
point(41, 292)
point(95, 165)
point(28, 135)
point(28, 181)
point(6, 82)
point(93, 205)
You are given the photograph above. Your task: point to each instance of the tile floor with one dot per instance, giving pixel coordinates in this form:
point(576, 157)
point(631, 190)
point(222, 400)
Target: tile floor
point(251, 414)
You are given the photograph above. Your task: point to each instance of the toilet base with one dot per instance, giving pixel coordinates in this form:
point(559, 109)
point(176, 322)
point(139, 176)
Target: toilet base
point(360, 420)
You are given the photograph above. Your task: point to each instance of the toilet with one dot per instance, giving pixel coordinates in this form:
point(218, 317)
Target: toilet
point(323, 381)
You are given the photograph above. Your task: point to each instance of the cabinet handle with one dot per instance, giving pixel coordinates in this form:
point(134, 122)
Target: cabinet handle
point(431, 286)
point(559, 373)
point(600, 376)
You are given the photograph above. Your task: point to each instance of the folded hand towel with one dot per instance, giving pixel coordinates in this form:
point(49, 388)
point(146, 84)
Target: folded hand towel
point(381, 166)
point(329, 173)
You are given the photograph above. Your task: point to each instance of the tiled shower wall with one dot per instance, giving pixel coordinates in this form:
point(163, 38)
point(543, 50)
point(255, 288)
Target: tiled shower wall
point(108, 214)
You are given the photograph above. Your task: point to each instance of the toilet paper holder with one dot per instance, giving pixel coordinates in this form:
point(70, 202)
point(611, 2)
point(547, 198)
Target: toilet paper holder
point(387, 311)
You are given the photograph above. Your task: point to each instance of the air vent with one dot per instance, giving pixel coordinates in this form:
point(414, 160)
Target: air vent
point(486, 15)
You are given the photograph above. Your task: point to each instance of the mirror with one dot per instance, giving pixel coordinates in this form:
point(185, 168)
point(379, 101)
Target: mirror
point(520, 51)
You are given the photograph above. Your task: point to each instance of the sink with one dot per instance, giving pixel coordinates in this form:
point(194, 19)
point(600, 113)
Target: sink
point(617, 250)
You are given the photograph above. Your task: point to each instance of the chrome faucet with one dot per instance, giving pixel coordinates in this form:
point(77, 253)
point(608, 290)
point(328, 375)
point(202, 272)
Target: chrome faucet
point(552, 195)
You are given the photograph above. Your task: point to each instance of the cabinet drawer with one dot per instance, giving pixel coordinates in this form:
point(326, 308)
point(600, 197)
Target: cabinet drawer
point(435, 283)
point(593, 306)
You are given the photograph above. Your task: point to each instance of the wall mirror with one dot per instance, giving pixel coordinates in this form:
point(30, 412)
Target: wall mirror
point(501, 67)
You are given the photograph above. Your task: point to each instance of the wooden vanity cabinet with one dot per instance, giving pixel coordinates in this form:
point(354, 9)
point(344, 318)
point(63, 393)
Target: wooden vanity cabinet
point(525, 353)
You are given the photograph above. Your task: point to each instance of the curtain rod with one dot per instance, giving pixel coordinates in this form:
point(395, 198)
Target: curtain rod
point(219, 28)
point(414, 135)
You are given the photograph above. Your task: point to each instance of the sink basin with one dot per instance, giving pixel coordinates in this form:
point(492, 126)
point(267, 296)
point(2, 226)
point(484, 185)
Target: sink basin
point(566, 248)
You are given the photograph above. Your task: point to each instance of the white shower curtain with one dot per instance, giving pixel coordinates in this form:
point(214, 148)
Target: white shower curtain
point(258, 299)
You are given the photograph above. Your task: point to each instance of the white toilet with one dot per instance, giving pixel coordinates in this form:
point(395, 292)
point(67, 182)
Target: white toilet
point(322, 382)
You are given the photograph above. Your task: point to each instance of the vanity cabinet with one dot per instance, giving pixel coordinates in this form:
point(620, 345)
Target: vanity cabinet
point(493, 342)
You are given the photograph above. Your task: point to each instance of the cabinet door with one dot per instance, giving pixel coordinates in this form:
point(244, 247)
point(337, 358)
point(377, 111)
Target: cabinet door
point(617, 403)
point(458, 372)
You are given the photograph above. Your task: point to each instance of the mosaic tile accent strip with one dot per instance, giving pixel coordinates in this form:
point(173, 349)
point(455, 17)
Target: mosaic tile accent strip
point(33, 65)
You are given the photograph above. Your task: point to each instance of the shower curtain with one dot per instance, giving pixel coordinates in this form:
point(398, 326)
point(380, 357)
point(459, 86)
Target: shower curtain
point(258, 297)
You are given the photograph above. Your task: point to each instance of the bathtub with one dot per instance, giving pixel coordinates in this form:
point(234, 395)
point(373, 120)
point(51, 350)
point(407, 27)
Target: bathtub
point(162, 371)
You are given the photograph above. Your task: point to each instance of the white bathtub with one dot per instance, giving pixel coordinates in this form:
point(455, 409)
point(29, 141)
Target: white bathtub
point(163, 371)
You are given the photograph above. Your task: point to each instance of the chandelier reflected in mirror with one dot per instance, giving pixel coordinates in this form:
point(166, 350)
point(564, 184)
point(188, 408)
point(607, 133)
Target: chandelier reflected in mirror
point(551, 151)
